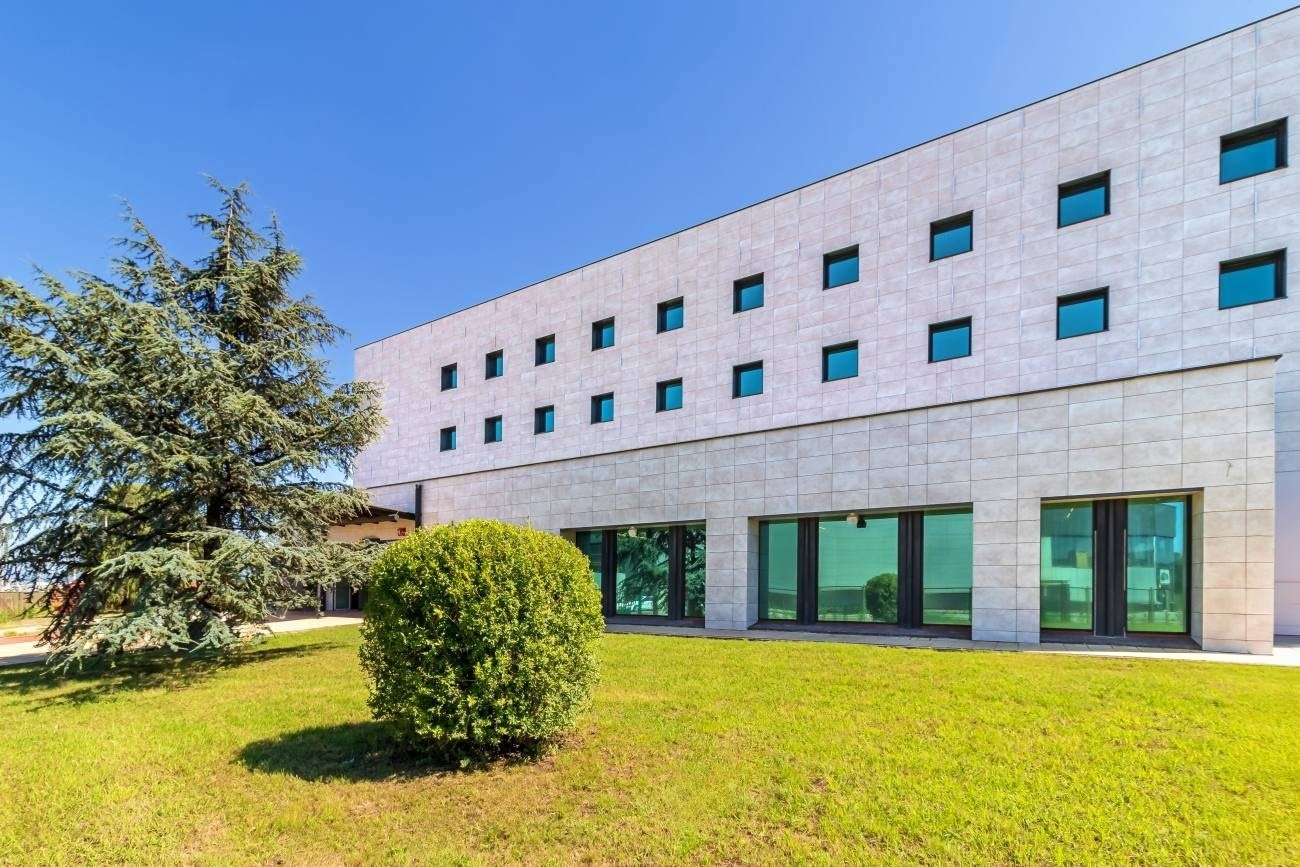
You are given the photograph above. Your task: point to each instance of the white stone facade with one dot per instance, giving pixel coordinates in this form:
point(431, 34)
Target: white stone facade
point(1155, 128)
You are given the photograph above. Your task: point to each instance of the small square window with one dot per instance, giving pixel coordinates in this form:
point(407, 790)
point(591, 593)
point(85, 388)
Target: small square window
point(447, 439)
point(1252, 152)
point(668, 395)
point(495, 364)
point(671, 315)
point(544, 419)
point(602, 408)
point(545, 349)
point(1252, 280)
point(1081, 200)
point(952, 236)
point(747, 379)
point(840, 361)
point(950, 340)
point(1083, 313)
point(602, 334)
point(747, 294)
point(839, 268)
point(492, 429)
point(449, 379)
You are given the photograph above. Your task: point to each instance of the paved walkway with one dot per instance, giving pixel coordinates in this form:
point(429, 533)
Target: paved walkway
point(17, 650)
point(1286, 651)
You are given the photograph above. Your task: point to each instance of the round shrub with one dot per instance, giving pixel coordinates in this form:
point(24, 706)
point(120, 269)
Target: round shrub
point(480, 639)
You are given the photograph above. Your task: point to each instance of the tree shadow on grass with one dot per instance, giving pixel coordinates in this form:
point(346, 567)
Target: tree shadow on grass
point(350, 752)
point(100, 679)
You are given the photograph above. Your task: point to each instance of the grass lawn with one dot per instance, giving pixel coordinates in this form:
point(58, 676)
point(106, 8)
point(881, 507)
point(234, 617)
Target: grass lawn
point(696, 750)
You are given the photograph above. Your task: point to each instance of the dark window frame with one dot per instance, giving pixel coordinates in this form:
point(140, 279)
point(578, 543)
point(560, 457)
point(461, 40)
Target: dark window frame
point(447, 434)
point(539, 350)
point(947, 224)
point(489, 368)
point(1079, 297)
point(827, 351)
point(596, 400)
point(1261, 132)
point(952, 325)
point(597, 334)
point(493, 426)
point(661, 389)
point(834, 258)
point(1276, 257)
point(539, 418)
point(1082, 185)
point(737, 290)
point(449, 377)
point(661, 314)
point(737, 370)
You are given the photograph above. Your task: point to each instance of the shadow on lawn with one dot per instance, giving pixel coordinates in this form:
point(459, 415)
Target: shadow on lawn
point(136, 672)
point(354, 752)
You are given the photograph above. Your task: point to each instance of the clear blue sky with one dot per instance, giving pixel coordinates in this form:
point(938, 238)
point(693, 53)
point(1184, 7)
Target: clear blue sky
point(423, 159)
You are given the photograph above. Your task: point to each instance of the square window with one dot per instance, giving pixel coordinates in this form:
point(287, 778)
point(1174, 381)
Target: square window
point(1252, 280)
point(602, 408)
point(671, 315)
point(602, 334)
point(492, 429)
point(1081, 200)
point(1252, 152)
point(840, 267)
point(840, 361)
point(747, 294)
point(447, 439)
point(747, 379)
point(950, 340)
point(449, 379)
point(1082, 313)
point(495, 364)
point(952, 236)
point(543, 419)
point(668, 395)
point(545, 350)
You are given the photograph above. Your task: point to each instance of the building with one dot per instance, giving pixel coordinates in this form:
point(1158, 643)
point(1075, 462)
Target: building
point(374, 524)
point(1032, 380)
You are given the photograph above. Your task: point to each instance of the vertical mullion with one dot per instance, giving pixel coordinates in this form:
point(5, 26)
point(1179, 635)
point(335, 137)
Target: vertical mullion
point(806, 593)
point(910, 547)
point(608, 565)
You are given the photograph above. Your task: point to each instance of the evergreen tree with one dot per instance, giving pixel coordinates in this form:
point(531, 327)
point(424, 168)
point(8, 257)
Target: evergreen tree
point(162, 488)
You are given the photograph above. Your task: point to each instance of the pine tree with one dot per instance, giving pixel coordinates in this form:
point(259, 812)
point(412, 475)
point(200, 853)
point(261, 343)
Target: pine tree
point(163, 487)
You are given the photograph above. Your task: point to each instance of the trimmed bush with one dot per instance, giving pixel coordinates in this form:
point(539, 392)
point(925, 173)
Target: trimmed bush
point(480, 639)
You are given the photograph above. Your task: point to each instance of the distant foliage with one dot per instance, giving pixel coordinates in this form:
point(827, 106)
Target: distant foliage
point(882, 598)
point(480, 639)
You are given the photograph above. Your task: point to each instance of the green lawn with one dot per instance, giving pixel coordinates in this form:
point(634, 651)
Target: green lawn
point(696, 750)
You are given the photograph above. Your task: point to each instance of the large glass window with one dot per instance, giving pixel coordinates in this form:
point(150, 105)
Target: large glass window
point(951, 236)
point(1157, 565)
point(1252, 152)
point(1066, 570)
point(947, 562)
point(839, 268)
point(591, 543)
point(1084, 313)
point(950, 340)
point(747, 294)
point(1252, 280)
point(747, 379)
point(840, 361)
point(778, 569)
point(641, 582)
point(1083, 200)
point(671, 315)
point(693, 550)
point(857, 569)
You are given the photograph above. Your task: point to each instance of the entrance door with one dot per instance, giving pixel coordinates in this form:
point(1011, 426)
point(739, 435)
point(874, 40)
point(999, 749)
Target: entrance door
point(1115, 567)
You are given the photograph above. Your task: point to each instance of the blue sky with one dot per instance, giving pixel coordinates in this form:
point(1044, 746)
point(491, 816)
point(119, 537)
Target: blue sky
point(425, 157)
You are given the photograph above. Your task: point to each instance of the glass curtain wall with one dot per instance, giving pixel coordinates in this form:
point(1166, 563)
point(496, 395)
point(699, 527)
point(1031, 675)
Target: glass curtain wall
point(1157, 567)
point(693, 570)
point(778, 569)
point(591, 543)
point(947, 562)
point(641, 582)
point(1067, 566)
point(857, 569)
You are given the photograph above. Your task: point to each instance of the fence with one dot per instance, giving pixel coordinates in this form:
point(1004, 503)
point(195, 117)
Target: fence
point(13, 603)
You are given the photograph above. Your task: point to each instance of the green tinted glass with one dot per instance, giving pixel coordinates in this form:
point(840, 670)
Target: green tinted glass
point(947, 567)
point(591, 543)
point(778, 569)
point(1157, 565)
point(641, 585)
point(857, 569)
point(1066, 566)
point(694, 570)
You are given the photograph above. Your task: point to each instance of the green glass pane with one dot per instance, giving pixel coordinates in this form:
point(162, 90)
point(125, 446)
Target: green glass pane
point(641, 584)
point(1157, 565)
point(778, 569)
point(694, 570)
point(1066, 566)
point(947, 559)
point(591, 543)
point(857, 570)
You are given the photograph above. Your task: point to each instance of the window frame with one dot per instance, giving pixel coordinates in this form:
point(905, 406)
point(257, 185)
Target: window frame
point(450, 373)
point(596, 401)
point(445, 436)
point(597, 331)
point(1276, 257)
point(661, 314)
point(827, 351)
point(737, 290)
point(539, 350)
point(1276, 129)
point(489, 369)
point(675, 612)
point(661, 390)
point(834, 258)
point(540, 414)
point(1079, 297)
point(952, 325)
point(737, 370)
point(1081, 185)
point(493, 426)
point(947, 224)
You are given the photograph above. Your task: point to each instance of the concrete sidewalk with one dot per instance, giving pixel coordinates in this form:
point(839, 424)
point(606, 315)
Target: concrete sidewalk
point(19, 652)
